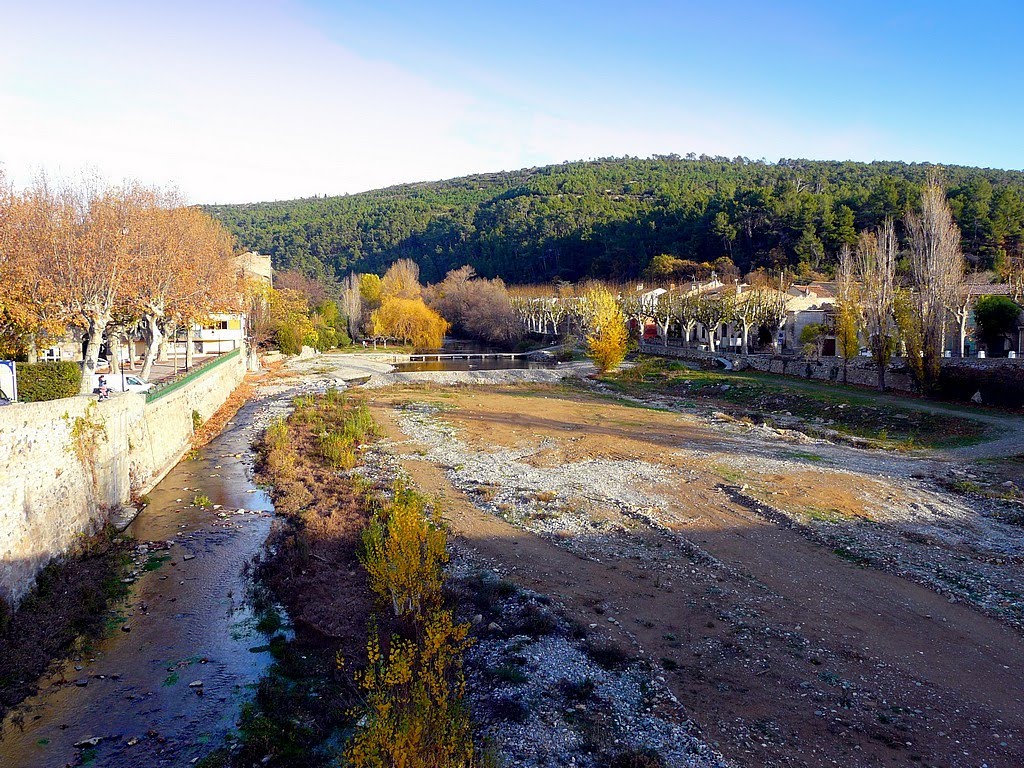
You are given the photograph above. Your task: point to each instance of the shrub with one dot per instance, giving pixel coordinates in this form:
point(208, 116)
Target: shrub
point(290, 338)
point(996, 316)
point(337, 451)
point(510, 673)
point(48, 381)
point(608, 655)
point(511, 708)
point(637, 758)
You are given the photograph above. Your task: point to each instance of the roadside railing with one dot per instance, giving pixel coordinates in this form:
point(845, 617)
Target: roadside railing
point(170, 385)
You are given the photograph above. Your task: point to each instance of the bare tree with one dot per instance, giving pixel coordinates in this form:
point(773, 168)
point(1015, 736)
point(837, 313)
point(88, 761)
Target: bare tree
point(755, 307)
point(876, 269)
point(848, 315)
point(1015, 275)
point(665, 310)
point(711, 311)
point(351, 304)
point(937, 268)
point(960, 307)
point(402, 280)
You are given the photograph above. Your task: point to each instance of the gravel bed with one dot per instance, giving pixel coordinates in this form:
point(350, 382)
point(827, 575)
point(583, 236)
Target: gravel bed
point(536, 691)
point(490, 378)
point(542, 699)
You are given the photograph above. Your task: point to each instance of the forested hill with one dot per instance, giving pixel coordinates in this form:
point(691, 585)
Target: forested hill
point(608, 218)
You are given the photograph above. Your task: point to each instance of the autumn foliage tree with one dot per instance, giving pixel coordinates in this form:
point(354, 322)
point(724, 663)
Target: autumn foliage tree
point(402, 313)
point(96, 257)
point(414, 713)
point(476, 307)
point(411, 321)
point(847, 320)
point(607, 335)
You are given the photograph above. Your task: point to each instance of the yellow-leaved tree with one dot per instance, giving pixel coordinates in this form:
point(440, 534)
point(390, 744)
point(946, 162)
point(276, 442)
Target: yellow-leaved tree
point(414, 715)
point(607, 335)
point(410, 320)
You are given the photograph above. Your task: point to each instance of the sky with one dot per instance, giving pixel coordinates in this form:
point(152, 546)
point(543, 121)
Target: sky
point(250, 101)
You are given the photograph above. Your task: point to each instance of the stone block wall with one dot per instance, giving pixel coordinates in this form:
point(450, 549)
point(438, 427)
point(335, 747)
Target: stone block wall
point(69, 466)
point(1000, 381)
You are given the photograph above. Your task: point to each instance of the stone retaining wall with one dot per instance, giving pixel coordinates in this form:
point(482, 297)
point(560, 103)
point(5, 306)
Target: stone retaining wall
point(970, 374)
point(69, 466)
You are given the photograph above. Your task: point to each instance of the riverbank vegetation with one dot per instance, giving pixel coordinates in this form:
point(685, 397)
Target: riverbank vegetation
point(68, 606)
point(374, 668)
point(822, 410)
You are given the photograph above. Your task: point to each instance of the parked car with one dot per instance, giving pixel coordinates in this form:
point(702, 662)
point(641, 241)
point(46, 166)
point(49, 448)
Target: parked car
point(127, 382)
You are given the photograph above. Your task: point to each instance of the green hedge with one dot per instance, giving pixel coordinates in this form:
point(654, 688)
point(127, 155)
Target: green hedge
point(48, 381)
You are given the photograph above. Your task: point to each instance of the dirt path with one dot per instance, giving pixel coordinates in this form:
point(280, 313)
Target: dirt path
point(787, 654)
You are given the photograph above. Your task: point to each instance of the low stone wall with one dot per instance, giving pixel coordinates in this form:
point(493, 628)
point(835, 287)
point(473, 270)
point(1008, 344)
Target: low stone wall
point(1000, 381)
point(859, 371)
point(69, 466)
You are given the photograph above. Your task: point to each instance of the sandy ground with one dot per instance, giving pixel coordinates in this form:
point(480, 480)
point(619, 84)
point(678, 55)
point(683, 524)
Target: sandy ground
point(810, 604)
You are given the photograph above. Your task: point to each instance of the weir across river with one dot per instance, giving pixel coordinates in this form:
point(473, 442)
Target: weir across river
point(423, 357)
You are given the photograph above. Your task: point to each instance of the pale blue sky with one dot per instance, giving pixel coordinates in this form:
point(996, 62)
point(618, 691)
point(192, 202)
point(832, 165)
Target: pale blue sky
point(235, 101)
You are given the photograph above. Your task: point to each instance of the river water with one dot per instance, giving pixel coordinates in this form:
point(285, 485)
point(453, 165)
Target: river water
point(188, 621)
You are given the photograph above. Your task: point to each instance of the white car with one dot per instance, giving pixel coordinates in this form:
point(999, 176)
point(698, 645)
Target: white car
point(127, 382)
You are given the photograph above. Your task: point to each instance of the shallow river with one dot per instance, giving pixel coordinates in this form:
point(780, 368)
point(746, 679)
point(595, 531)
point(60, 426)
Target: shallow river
point(187, 622)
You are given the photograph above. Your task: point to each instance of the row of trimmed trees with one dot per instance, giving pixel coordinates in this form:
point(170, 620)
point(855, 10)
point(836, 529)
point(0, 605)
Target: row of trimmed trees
point(745, 308)
point(907, 300)
point(107, 261)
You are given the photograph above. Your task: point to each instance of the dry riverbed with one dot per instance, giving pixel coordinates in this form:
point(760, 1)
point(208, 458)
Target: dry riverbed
point(805, 603)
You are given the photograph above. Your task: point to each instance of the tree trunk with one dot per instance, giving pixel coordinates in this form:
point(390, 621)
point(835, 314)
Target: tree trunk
point(97, 325)
point(155, 346)
point(746, 339)
point(31, 350)
point(115, 354)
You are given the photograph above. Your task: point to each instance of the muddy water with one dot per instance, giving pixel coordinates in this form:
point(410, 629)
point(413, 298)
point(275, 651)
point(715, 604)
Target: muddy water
point(187, 621)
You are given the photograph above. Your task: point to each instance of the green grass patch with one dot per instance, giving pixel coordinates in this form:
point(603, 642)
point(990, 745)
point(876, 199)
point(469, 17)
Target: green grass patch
point(154, 562)
point(815, 407)
point(804, 456)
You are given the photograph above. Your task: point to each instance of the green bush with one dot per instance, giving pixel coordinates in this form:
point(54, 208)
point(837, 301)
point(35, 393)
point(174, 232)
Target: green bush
point(996, 316)
point(289, 339)
point(48, 381)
